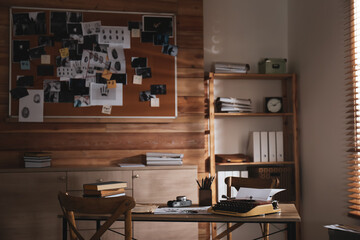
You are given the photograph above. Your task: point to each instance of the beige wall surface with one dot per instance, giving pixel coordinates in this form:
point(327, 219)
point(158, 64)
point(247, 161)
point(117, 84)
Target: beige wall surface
point(310, 34)
point(244, 32)
point(316, 48)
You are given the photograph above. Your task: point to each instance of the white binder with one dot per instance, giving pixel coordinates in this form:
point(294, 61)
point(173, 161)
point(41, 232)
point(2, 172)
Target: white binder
point(254, 146)
point(264, 147)
point(279, 146)
point(272, 147)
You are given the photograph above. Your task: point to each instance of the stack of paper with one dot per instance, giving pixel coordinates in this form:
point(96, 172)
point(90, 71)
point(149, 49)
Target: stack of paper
point(230, 104)
point(231, 68)
point(164, 159)
point(37, 159)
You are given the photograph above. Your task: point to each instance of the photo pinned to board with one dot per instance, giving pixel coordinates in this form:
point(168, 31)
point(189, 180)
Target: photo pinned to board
point(30, 23)
point(31, 107)
point(146, 96)
point(81, 100)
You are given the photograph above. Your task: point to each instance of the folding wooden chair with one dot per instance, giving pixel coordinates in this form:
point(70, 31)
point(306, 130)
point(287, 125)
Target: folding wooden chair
point(115, 206)
point(238, 182)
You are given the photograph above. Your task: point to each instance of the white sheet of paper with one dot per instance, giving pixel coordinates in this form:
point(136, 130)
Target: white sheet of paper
point(31, 107)
point(115, 35)
point(101, 95)
point(182, 210)
point(261, 194)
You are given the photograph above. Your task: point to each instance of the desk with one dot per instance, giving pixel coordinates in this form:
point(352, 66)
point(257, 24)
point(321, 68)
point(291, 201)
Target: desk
point(288, 215)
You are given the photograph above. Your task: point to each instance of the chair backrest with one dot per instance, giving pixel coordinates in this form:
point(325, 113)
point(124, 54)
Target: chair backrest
point(115, 206)
point(238, 182)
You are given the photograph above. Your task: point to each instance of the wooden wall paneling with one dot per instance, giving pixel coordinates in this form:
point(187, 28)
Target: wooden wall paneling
point(160, 6)
point(189, 57)
point(105, 143)
point(190, 87)
point(190, 73)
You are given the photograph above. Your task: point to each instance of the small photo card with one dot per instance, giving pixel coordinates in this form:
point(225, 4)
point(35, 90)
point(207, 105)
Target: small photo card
point(155, 102)
point(106, 109)
point(45, 59)
point(137, 79)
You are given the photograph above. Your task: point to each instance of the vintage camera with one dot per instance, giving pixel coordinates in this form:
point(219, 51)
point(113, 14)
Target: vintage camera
point(180, 201)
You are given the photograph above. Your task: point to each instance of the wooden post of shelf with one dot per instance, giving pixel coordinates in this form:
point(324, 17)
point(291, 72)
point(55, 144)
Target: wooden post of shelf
point(296, 151)
point(212, 144)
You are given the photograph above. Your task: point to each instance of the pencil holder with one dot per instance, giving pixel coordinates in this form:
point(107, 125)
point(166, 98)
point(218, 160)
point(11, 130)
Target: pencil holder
point(205, 197)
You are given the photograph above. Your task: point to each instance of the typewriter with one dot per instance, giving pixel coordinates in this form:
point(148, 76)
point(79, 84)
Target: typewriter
point(244, 207)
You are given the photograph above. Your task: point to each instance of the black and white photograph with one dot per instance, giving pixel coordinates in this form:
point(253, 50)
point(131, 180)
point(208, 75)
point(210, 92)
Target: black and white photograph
point(36, 52)
point(70, 44)
point(31, 107)
point(62, 62)
point(30, 23)
point(46, 41)
point(45, 70)
point(138, 62)
point(91, 28)
point(117, 59)
point(21, 50)
point(158, 89)
point(158, 24)
point(74, 28)
point(114, 35)
point(101, 95)
point(119, 77)
point(146, 96)
point(169, 49)
point(58, 25)
point(78, 86)
point(51, 90)
point(144, 72)
point(25, 81)
point(19, 92)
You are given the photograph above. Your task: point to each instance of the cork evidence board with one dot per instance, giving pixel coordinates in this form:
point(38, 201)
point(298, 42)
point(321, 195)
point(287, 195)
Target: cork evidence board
point(91, 64)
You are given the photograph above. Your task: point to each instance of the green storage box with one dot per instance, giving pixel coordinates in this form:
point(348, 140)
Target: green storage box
point(272, 65)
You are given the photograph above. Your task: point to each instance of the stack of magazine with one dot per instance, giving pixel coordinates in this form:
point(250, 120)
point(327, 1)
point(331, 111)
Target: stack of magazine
point(164, 159)
point(231, 68)
point(37, 159)
point(230, 104)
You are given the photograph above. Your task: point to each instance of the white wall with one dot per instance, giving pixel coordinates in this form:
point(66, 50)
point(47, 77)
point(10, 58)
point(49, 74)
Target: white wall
point(310, 34)
point(244, 32)
point(316, 50)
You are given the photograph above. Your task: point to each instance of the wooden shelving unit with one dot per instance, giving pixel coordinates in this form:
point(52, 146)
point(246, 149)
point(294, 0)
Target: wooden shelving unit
point(289, 125)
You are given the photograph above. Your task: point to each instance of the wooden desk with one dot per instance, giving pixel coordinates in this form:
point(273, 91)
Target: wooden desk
point(288, 216)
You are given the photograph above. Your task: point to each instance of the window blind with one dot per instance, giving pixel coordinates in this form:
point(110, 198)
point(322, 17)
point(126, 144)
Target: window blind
point(352, 56)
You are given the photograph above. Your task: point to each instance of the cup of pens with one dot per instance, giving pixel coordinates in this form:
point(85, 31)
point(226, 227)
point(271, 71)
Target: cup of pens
point(205, 193)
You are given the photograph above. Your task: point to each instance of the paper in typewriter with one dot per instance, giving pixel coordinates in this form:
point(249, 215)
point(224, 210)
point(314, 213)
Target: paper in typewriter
point(259, 194)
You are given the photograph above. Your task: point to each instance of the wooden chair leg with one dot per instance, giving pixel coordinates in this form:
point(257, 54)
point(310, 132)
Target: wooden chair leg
point(265, 229)
point(229, 237)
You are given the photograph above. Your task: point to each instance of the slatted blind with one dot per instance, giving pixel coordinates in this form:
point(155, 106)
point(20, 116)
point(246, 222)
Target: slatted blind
point(353, 83)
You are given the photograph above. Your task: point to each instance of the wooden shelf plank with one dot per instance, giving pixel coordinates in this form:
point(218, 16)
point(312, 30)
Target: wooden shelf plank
point(255, 76)
point(252, 114)
point(255, 163)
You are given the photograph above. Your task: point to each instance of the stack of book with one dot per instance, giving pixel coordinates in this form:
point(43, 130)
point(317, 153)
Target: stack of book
point(231, 68)
point(37, 159)
point(230, 104)
point(104, 189)
point(164, 159)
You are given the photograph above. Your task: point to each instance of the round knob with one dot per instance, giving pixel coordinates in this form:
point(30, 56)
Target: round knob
point(136, 176)
point(100, 180)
